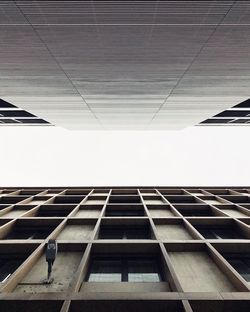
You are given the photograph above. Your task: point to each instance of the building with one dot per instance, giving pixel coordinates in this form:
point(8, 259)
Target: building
point(124, 65)
point(126, 249)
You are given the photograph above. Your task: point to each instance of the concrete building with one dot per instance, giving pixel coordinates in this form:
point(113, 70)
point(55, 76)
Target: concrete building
point(131, 248)
point(124, 65)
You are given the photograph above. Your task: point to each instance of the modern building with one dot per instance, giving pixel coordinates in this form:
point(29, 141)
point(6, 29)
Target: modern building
point(126, 249)
point(124, 65)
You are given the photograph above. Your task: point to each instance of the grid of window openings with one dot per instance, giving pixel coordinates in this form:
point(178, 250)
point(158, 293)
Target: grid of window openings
point(12, 115)
point(237, 115)
point(120, 249)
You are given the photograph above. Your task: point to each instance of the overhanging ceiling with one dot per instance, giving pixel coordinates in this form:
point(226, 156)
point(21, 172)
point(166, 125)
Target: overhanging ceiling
point(125, 64)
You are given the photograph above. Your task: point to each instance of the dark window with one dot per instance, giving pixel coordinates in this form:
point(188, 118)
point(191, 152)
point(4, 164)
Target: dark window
point(105, 271)
point(71, 199)
point(15, 113)
point(241, 121)
point(216, 121)
point(124, 269)
point(245, 104)
point(33, 121)
point(124, 232)
point(5, 104)
point(219, 233)
point(195, 212)
point(124, 213)
point(241, 263)
point(52, 213)
point(7, 121)
point(234, 113)
point(29, 233)
point(8, 266)
point(123, 199)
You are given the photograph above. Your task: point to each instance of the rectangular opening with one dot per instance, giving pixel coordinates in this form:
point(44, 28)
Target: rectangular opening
point(124, 199)
point(12, 199)
point(160, 211)
point(88, 211)
point(31, 305)
point(101, 192)
point(233, 113)
point(124, 192)
point(171, 192)
point(197, 271)
point(112, 268)
point(78, 192)
point(182, 199)
point(237, 198)
point(220, 305)
point(149, 192)
point(63, 270)
point(70, 199)
point(172, 229)
point(130, 267)
point(27, 229)
point(17, 211)
point(30, 192)
point(128, 230)
point(219, 229)
point(11, 258)
point(77, 229)
point(54, 210)
point(38, 200)
point(124, 211)
point(15, 113)
point(196, 211)
point(219, 191)
point(96, 200)
point(232, 211)
point(240, 262)
point(126, 305)
point(153, 200)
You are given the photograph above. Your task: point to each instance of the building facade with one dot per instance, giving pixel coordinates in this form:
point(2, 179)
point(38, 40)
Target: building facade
point(126, 249)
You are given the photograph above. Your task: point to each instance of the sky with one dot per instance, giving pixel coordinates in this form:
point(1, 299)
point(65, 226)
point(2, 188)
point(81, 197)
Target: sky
point(196, 156)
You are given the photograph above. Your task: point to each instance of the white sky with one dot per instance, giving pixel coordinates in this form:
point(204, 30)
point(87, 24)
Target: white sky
point(51, 156)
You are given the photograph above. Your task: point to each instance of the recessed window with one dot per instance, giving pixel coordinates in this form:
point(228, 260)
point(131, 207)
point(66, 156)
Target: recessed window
point(124, 213)
point(8, 266)
point(234, 113)
point(29, 233)
point(4, 104)
point(124, 199)
point(233, 116)
point(216, 121)
point(33, 121)
point(124, 269)
point(241, 263)
point(219, 233)
point(11, 114)
point(245, 104)
point(124, 232)
point(15, 113)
